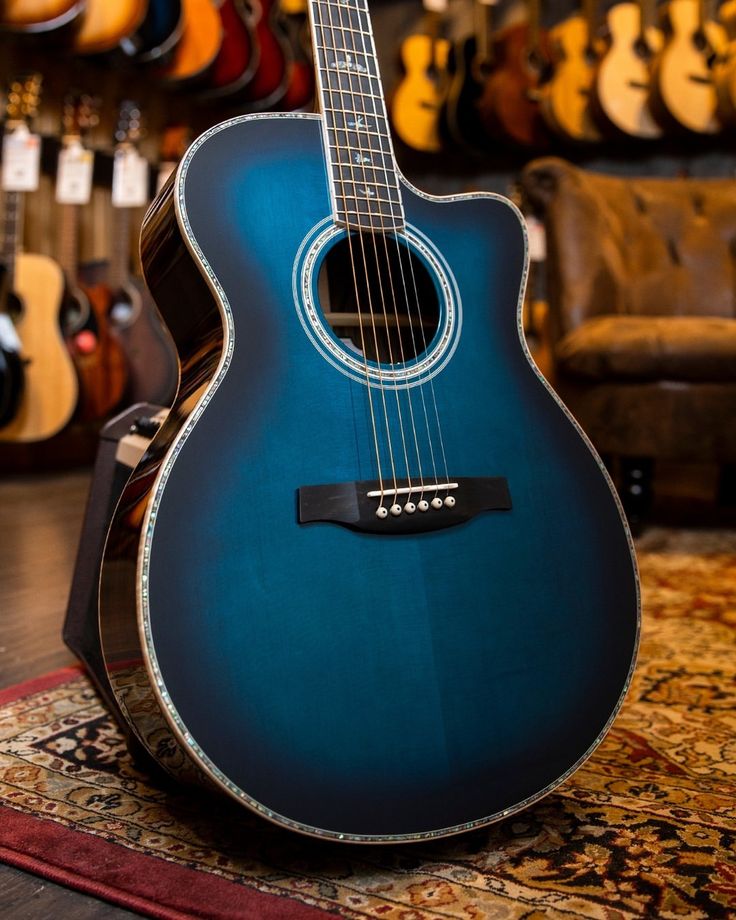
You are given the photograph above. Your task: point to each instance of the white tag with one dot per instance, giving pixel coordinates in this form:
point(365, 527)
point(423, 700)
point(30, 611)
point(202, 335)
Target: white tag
point(8, 335)
point(74, 175)
point(165, 169)
point(129, 179)
point(21, 160)
point(537, 239)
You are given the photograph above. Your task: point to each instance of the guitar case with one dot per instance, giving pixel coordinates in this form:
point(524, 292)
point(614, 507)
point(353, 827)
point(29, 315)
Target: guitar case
point(123, 441)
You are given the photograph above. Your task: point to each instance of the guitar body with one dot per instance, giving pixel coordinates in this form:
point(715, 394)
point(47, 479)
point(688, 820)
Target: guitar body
point(50, 389)
point(39, 15)
point(238, 54)
point(299, 93)
point(199, 45)
point(98, 357)
point(106, 25)
point(683, 89)
point(510, 102)
point(418, 98)
point(153, 369)
point(268, 84)
point(724, 69)
point(460, 120)
point(355, 685)
point(623, 80)
point(565, 99)
point(158, 33)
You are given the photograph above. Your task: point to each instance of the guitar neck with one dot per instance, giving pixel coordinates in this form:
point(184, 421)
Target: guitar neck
point(358, 147)
point(12, 234)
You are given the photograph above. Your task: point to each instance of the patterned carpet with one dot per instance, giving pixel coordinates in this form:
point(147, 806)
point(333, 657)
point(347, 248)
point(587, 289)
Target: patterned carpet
point(646, 828)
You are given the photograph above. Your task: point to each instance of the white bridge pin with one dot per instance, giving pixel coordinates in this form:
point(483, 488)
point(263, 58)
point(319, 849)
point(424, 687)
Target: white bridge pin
point(423, 505)
point(410, 507)
point(382, 512)
point(436, 502)
point(396, 510)
point(450, 501)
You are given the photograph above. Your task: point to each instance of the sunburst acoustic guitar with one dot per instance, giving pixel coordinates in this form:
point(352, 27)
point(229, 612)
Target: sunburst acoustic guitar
point(622, 85)
point(370, 580)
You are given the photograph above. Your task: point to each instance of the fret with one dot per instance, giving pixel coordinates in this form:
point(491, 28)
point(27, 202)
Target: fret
point(358, 143)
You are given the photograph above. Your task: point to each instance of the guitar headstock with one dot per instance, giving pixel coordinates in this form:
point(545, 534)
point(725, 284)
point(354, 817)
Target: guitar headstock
point(80, 114)
point(23, 99)
point(129, 128)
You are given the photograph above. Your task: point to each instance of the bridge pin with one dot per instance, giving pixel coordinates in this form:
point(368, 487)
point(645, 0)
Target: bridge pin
point(423, 505)
point(450, 501)
point(436, 502)
point(410, 507)
point(396, 510)
point(382, 512)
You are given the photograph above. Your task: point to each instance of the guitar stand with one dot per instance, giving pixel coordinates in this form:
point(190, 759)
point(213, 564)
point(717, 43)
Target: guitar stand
point(123, 440)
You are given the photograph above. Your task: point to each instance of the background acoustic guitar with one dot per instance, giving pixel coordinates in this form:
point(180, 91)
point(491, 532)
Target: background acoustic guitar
point(98, 356)
point(269, 83)
point(469, 63)
point(12, 375)
point(238, 54)
point(683, 88)
point(299, 93)
point(150, 356)
point(622, 84)
point(565, 99)
point(196, 52)
point(419, 96)
point(463, 629)
point(39, 15)
point(158, 33)
point(724, 68)
point(510, 102)
point(105, 24)
point(36, 286)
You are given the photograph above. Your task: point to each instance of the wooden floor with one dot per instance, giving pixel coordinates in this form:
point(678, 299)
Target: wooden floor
point(40, 521)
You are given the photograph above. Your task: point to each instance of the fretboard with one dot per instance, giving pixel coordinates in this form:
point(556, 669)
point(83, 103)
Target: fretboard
point(11, 236)
point(358, 147)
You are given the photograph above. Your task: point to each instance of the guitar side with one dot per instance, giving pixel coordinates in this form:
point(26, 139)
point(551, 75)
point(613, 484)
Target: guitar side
point(486, 660)
point(50, 389)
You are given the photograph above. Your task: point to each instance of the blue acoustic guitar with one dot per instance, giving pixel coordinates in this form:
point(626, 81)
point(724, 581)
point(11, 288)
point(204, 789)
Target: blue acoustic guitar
point(369, 578)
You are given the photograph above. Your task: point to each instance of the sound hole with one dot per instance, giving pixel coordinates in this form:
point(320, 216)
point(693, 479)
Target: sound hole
point(379, 298)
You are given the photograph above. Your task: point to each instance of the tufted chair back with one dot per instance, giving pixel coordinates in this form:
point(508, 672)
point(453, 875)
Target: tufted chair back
point(638, 247)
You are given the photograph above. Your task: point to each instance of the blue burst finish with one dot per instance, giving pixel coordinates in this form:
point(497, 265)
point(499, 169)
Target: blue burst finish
point(353, 685)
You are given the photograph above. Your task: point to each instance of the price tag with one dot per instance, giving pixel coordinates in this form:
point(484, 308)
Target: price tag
point(74, 175)
point(129, 179)
point(21, 160)
point(8, 336)
point(537, 239)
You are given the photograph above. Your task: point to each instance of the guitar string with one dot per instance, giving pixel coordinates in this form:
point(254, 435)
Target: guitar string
point(422, 327)
point(317, 22)
point(381, 386)
point(397, 391)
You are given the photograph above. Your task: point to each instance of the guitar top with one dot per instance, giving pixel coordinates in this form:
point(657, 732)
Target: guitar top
point(623, 80)
point(158, 33)
point(39, 15)
point(105, 25)
point(683, 87)
point(369, 578)
point(199, 45)
point(418, 98)
point(268, 84)
point(238, 54)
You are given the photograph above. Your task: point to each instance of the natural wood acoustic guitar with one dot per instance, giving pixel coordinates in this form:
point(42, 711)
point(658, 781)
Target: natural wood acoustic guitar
point(683, 86)
point(36, 288)
point(196, 52)
point(39, 15)
point(419, 96)
point(622, 85)
point(105, 25)
point(724, 68)
point(565, 99)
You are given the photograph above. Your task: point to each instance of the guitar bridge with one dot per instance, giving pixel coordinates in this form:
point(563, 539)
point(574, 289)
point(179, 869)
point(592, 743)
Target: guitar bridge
point(404, 506)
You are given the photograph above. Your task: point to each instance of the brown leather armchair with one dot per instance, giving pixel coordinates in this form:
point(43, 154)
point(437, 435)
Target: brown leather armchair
point(641, 286)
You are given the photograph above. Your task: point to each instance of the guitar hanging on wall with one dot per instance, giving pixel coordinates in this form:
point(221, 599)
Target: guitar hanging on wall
point(369, 578)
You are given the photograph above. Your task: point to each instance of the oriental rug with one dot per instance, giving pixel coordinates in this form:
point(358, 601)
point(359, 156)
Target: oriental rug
point(647, 827)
